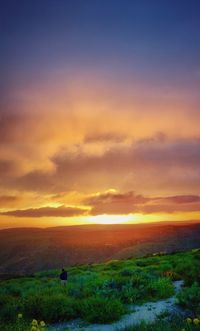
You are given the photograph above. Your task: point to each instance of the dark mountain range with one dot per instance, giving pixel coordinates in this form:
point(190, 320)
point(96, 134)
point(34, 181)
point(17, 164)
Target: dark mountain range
point(26, 250)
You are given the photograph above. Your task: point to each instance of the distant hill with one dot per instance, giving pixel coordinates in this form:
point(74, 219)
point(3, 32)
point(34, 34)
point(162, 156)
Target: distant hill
point(26, 250)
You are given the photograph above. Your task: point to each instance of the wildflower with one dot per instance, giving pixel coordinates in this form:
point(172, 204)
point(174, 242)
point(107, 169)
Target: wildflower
point(189, 320)
point(42, 324)
point(196, 321)
point(34, 322)
point(19, 315)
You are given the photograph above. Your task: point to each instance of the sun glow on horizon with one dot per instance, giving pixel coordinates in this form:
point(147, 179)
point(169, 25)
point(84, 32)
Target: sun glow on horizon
point(103, 219)
point(110, 219)
point(137, 218)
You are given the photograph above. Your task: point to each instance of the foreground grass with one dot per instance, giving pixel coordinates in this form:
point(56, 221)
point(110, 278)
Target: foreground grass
point(100, 293)
point(23, 325)
point(174, 323)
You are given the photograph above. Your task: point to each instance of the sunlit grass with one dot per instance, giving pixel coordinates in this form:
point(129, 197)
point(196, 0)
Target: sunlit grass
point(100, 292)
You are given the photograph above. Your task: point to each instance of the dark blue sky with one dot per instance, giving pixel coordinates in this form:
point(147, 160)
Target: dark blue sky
point(152, 40)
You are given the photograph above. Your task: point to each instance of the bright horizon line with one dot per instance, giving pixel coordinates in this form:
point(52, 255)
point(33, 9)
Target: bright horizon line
point(103, 224)
point(137, 218)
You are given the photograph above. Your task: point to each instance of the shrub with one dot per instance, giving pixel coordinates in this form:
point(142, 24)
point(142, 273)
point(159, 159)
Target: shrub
point(101, 310)
point(127, 272)
point(4, 299)
point(147, 261)
point(14, 290)
point(190, 297)
point(112, 265)
point(130, 294)
point(32, 306)
point(9, 311)
point(52, 308)
point(161, 288)
point(188, 269)
point(80, 290)
point(58, 308)
point(16, 326)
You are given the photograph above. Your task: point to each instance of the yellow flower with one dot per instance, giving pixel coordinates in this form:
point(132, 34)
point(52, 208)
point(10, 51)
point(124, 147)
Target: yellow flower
point(34, 328)
point(34, 322)
point(20, 315)
point(42, 324)
point(196, 321)
point(189, 320)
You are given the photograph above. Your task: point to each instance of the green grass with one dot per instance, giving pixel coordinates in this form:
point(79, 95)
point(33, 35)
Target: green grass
point(174, 323)
point(100, 292)
point(189, 298)
point(98, 309)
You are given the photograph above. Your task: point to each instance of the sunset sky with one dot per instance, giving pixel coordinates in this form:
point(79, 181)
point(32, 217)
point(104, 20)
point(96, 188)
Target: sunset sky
point(99, 111)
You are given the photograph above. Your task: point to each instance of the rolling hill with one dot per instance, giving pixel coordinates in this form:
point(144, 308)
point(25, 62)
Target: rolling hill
point(26, 250)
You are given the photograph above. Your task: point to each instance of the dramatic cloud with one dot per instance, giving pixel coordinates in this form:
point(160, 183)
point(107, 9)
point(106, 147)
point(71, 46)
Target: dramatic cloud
point(125, 203)
point(61, 211)
point(110, 196)
point(86, 108)
point(111, 202)
point(115, 203)
point(149, 167)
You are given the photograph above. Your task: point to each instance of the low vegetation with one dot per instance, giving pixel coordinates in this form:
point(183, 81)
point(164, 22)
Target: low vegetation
point(174, 323)
point(101, 293)
point(189, 297)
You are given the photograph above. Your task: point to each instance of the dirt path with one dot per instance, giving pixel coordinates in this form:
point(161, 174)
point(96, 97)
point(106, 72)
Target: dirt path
point(147, 312)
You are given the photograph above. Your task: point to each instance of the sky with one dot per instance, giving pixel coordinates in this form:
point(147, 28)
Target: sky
point(99, 112)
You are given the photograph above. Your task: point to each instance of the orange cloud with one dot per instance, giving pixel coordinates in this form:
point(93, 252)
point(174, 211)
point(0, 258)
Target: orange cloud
point(61, 211)
point(130, 203)
point(83, 134)
point(153, 167)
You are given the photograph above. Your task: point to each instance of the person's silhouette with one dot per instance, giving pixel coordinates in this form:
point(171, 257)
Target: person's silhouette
point(63, 277)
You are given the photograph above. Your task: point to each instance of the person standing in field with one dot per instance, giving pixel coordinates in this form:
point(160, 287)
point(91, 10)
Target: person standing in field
point(63, 277)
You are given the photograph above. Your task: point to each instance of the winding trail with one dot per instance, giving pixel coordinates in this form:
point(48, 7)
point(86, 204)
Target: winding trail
point(148, 312)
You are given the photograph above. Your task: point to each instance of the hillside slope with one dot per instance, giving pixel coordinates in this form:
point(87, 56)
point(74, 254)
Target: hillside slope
point(29, 250)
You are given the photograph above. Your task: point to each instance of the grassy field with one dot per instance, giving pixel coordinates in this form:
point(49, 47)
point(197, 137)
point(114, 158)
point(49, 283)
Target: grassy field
point(101, 293)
